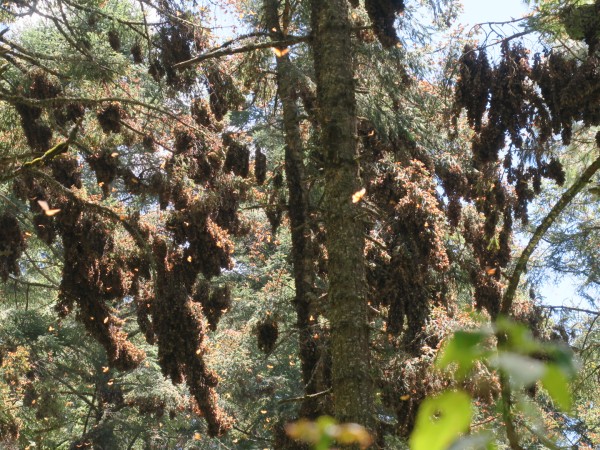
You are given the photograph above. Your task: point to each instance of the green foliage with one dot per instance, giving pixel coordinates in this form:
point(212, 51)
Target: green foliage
point(441, 420)
point(521, 361)
point(464, 349)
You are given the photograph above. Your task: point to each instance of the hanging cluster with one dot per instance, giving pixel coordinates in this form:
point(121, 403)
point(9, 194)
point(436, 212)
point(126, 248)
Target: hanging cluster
point(568, 92)
point(202, 160)
point(105, 165)
point(70, 113)
point(402, 275)
point(92, 277)
point(527, 104)
point(237, 159)
point(215, 301)
point(12, 245)
point(407, 253)
point(208, 245)
point(94, 272)
point(260, 167)
point(110, 116)
point(472, 93)
point(67, 171)
point(177, 39)
point(39, 86)
point(99, 271)
point(582, 23)
point(179, 325)
point(383, 15)
point(224, 95)
point(267, 332)
point(201, 112)
point(42, 86)
point(136, 53)
point(111, 256)
point(114, 40)
point(276, 203)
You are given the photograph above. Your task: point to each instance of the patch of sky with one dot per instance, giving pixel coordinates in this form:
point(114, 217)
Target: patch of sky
point(492, 21)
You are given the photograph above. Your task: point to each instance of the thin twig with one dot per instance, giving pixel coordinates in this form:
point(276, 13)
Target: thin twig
point(305, 397)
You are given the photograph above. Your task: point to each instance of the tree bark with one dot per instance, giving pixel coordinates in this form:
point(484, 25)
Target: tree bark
point(302, 254)
point(352, 384)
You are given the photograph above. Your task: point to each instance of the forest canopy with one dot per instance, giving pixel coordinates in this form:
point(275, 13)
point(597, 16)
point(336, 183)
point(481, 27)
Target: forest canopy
point(291, 224)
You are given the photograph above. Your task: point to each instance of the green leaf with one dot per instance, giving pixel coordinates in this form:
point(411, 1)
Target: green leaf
point(556, 382)
point(562, 356)
point(522, 370)
point(464, 349)
point(519, 336)
point(441, 420)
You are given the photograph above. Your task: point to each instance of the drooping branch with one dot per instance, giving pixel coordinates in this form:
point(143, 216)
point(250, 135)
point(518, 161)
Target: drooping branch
point(541, 230)
point(86, 101)
point(290, 40)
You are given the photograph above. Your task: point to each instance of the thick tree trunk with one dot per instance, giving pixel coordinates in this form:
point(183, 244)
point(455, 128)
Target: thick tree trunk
point(351, 376)
point(302, 254)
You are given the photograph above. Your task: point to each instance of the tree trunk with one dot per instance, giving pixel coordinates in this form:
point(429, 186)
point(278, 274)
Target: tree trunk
point(302, 254)
point(352, 384)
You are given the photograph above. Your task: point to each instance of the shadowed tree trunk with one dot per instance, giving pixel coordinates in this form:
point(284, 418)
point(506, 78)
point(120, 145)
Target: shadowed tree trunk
point(302, 253)
point(352, 384)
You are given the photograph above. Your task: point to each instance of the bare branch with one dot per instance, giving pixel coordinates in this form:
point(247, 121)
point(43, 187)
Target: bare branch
point(247, 48)
point(570, 308)
point(304, 397)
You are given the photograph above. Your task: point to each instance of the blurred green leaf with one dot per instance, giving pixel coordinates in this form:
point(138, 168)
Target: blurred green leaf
point(523, 370)
point(441, 420)
point(519, 337)
point(556, 382)
point(464, 349)
point(562, 356)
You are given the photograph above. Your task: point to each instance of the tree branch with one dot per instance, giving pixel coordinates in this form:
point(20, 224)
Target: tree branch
point(33, 283)
point(511, 432)
point(543, 227)
point(304, 397)
point(291, 40)
point(569, 308)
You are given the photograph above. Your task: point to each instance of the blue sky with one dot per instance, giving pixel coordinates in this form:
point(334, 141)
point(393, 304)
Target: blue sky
point(477, 11)
point(483, 12)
